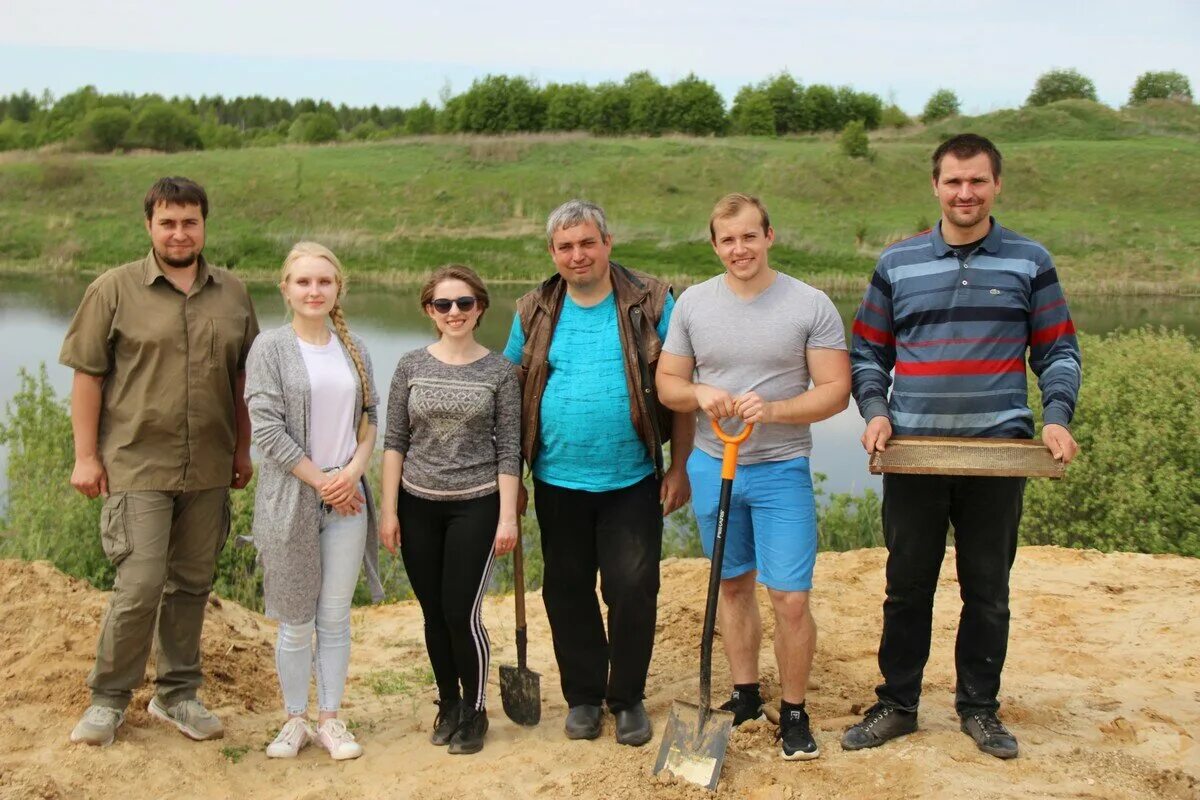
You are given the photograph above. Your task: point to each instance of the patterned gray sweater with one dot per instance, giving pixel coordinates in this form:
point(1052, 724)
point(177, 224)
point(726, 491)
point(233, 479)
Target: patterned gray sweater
point(457, 426)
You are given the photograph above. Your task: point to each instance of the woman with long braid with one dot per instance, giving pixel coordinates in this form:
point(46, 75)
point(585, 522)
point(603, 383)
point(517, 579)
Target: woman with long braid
point(312, 401)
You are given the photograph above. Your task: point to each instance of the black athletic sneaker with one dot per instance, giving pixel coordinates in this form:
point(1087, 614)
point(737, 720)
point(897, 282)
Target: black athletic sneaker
point(446, 721)
point(879, 724)
point(745, 706)
point(989, 734)
point(469, 736)
point(796, 736)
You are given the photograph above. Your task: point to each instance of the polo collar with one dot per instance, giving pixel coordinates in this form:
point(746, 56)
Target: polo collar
point(990, 244)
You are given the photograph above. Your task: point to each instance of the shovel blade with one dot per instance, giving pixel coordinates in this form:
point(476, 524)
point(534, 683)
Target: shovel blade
point(693, 753)
point(521, 694)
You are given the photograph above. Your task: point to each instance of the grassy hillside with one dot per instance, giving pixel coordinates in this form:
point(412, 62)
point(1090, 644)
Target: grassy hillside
point(1118, 213)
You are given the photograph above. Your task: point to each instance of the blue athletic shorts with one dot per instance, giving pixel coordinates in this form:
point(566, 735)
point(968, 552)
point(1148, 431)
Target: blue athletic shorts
point(772, 519)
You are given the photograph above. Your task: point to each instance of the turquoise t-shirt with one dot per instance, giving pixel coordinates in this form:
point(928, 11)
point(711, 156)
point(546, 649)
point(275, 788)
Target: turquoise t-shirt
point(587, 438)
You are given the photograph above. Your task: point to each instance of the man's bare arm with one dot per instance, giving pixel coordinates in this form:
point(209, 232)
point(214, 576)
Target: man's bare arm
point(830, 393)
point(88, 476)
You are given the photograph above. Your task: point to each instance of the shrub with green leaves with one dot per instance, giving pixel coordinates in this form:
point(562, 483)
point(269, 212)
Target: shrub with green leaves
point(1169, 85)
point(1061, 84)
point(160, 126)
point(1136, 482)
point(752, 114)
point(314, 127)
point(854, 141)
point(103, 129)
point(942, 104)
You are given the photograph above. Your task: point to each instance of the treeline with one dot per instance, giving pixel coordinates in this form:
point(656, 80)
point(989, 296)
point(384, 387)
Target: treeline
point(497, 104)
point(640, 105)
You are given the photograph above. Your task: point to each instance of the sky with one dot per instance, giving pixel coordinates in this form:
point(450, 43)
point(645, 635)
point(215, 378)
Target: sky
point(384, 52)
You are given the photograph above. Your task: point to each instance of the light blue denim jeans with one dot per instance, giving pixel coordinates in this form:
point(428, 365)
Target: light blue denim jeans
point(342, 540)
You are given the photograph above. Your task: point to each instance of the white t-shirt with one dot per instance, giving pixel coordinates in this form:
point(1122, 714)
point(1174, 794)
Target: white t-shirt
point(332, 438)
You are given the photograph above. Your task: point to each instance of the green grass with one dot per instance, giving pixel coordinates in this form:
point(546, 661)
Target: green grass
point(234, 753)
point(399, 682)
point(1110, 193)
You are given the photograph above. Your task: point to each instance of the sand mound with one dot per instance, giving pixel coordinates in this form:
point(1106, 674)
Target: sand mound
point(1102, 687)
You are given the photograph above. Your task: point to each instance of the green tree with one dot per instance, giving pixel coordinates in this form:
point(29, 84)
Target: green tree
point(608, 111)
point(752, 113)
point(1169, 85)
point(159, 126)
point(103, 129)
point(697, 107)
point(421, 119)
point(313, 127)
point(941, 104)
point(1061, 84)
point(649, 104)
point(854, 141)
point(860, 105)
point(16, 135)
point(786, 97)
point(220, 137)
point(1136, 482)
point(894, 117)
point(567, 106)
point(821, 108)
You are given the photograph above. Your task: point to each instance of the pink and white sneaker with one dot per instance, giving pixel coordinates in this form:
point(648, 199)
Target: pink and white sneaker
point(293, 737)
point(334, 737)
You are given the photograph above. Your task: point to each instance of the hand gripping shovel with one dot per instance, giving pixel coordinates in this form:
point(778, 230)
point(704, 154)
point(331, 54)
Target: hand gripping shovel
point(696, 736)
point(520, 687)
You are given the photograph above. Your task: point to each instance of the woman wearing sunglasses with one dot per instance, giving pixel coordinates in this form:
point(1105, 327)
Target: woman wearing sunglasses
point(312, 406)
point(451, 470)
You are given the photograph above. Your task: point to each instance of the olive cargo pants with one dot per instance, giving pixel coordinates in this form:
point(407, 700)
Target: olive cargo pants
point(165, 547)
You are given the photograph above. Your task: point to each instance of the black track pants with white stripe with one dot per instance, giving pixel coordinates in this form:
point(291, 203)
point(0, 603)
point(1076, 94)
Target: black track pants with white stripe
point(447, 547)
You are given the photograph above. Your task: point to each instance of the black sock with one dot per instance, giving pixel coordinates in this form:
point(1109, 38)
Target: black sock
point(785, 707)
point(749, 690)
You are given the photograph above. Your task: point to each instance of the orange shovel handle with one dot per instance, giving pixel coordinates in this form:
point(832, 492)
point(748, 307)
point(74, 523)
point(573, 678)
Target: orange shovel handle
point(729, 457)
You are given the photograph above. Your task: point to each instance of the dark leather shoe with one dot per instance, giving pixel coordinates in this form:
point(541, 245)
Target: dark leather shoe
point(989, 734)
point(633, 726)
point(879, 724)
point(583, 722)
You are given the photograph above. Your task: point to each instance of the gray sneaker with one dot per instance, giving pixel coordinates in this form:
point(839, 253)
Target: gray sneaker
point(989, 734)
point(98, 726)
point(191, 717)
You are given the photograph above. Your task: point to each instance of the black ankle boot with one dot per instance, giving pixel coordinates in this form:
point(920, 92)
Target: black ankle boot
point(469, 736)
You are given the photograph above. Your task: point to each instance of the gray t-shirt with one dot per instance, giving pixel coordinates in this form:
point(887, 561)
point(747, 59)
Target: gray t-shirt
point(757, 345)
point(457, 426)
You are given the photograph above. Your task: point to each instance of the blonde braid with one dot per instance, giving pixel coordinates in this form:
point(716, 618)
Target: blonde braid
point(343, 334)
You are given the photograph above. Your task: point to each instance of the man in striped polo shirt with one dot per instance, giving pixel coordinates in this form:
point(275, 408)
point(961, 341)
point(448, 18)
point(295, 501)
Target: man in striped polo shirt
point(952, 311)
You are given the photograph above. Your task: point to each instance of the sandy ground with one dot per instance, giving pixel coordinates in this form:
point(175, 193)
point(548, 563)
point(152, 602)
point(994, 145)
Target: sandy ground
point(1102, 688)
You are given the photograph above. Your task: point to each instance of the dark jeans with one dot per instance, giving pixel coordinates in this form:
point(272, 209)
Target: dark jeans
point(917, 510)
point(618, 533)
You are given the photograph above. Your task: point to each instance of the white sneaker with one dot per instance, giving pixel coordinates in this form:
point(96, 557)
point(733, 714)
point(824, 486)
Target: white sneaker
point(293, 737)
point(333, 736)
point(98, 726)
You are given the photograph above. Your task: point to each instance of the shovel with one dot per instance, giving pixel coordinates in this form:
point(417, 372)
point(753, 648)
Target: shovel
point(520, 687)
point(696, 736)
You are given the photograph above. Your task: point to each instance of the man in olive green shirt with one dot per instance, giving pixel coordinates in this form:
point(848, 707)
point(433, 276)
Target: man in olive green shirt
point(161, 430)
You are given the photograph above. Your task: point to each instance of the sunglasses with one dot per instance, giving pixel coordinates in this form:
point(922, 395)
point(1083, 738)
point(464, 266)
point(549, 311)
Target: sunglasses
point(442, 305)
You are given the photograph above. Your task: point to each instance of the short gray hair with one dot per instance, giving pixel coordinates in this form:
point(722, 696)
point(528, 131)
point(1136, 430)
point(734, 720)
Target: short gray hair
point(576, 212)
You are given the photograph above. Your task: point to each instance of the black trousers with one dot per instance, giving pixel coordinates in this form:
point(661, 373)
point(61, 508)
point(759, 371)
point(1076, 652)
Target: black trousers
point(448, 547)
point(917, 511)
point(618, 533)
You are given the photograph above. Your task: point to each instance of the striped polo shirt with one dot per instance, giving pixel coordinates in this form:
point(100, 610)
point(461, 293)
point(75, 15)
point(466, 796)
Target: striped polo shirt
point(955, 332)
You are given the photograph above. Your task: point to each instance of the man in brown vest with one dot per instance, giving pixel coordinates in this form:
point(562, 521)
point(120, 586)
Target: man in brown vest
point(587, 343)
point(161, 430)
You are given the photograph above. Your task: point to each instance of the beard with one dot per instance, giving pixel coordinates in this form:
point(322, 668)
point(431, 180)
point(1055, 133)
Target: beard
point(178, 263)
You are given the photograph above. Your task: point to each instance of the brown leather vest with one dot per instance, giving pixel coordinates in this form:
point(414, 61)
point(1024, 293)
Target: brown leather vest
point(639, 298)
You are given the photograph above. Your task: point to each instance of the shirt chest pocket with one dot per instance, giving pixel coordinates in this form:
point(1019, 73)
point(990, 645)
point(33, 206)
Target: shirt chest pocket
point(224, 337)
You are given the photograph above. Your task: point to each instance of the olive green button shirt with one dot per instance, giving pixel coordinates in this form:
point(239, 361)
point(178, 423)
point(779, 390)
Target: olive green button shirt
point(170, 364)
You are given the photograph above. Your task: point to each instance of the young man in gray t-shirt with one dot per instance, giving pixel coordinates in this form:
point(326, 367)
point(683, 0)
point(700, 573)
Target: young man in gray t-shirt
point(748, 344)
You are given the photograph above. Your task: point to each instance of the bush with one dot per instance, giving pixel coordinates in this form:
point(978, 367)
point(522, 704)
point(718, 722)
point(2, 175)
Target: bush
point(421, 119)
point(753, 114)
point(649, 104)
point(1136, 482)
point(567, 106)
point(1061, 84)
point(314, 127)
point(1161, 86)
point(696, 108)
point(366, 131)
point(854, 141)
point(16, 135)
point(941, 104)
point(894, 117)
point(159, 126)
point(103, 129)
point(608, 110)
point(220, 137)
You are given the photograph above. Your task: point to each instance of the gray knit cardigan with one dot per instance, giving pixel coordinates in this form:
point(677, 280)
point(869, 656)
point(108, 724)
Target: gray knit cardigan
point(286, 509)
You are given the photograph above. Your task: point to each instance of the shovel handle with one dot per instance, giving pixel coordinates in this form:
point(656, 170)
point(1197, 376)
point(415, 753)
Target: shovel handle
point(519, 594)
